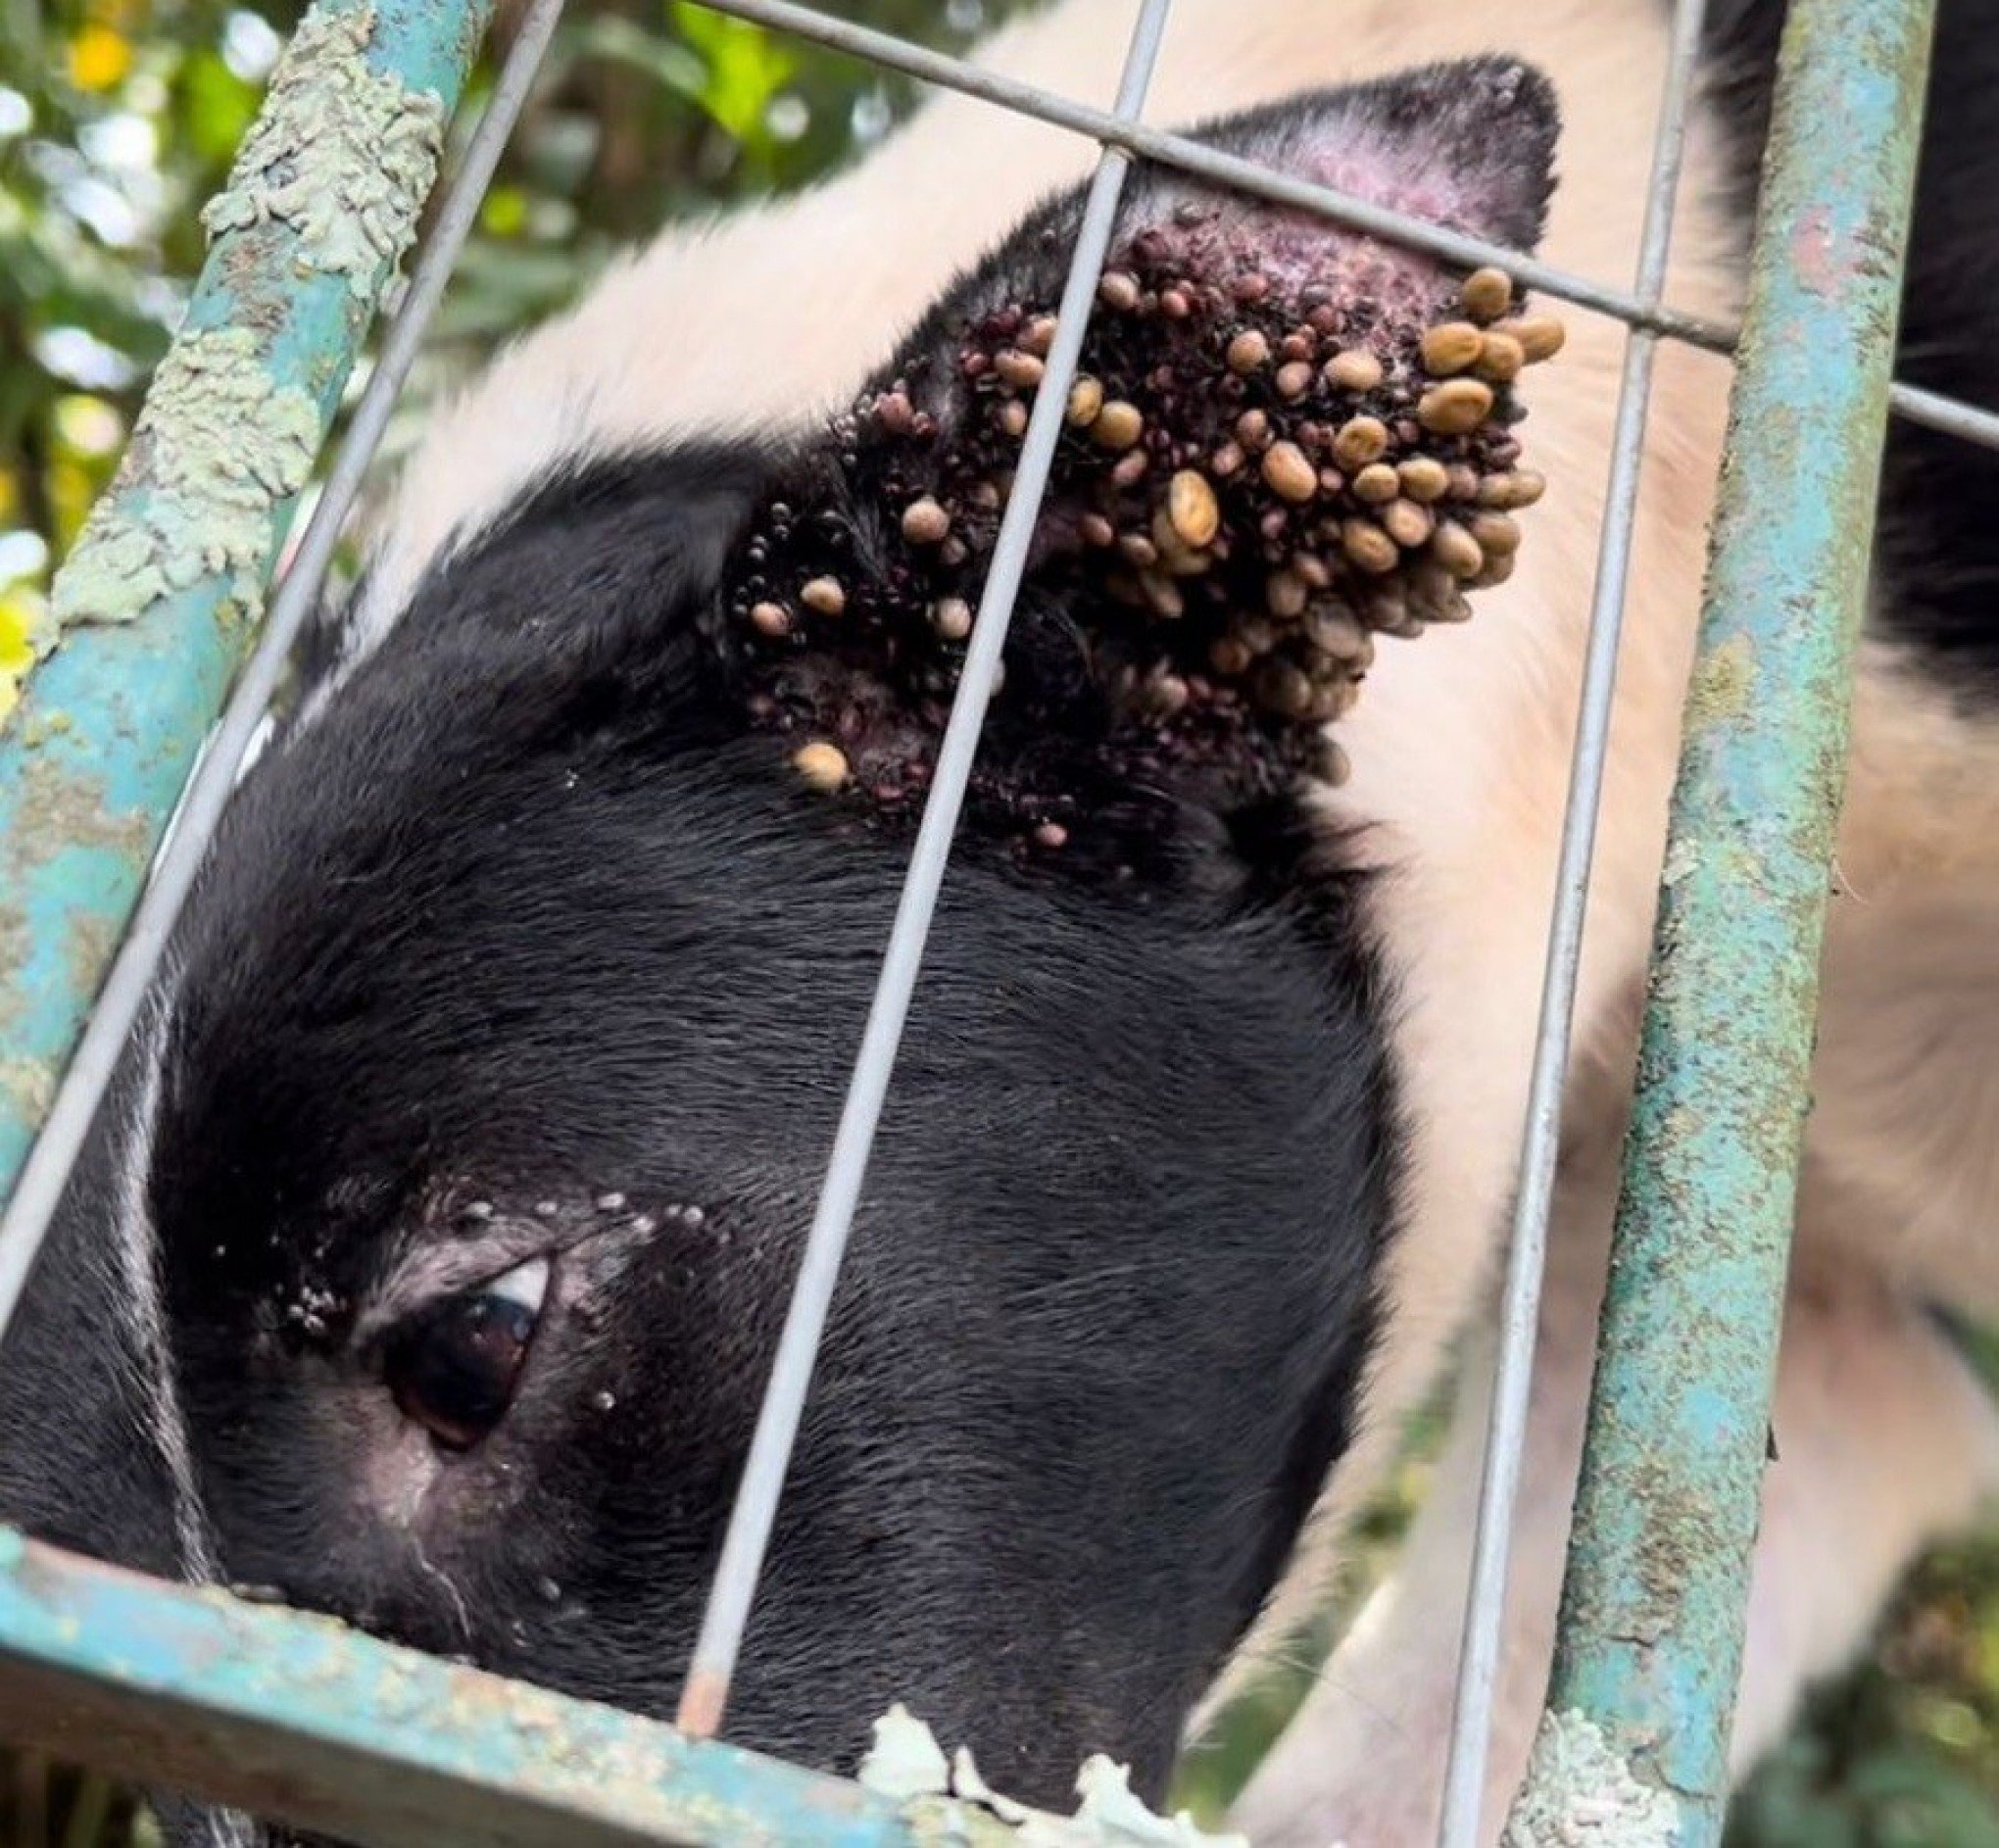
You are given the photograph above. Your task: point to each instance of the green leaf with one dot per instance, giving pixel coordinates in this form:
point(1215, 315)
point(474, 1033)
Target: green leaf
point(214, 107)
point(673, 66)
point(746, 67)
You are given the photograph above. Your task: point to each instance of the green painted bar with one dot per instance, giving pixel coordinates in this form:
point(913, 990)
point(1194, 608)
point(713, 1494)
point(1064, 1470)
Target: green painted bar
point(1652, 1611)
point(298, 1718)
point(154, 609)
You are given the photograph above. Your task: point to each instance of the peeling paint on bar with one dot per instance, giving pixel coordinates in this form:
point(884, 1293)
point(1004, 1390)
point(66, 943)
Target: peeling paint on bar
point(1578, 1790)
point(1649, 1650)
point(906, 1763)
point(298, 1718)
point(152, 614)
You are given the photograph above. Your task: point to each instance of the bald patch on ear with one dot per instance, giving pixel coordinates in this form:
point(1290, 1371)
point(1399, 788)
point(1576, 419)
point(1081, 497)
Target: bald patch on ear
point(1469, 145)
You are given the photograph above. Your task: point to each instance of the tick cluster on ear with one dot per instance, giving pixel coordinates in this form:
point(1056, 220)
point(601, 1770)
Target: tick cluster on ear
point(1257, 479)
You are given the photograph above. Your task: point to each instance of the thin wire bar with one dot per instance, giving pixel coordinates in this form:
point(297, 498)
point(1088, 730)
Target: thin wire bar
point(29, 1213)
point(1359, 215)
point(1229, 171)
point(1650, 1649)
point(1506, 1435)
point(706, 1694)
point(1950, 415)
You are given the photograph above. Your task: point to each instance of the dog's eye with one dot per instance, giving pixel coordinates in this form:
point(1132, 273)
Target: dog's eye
point(455, 1367)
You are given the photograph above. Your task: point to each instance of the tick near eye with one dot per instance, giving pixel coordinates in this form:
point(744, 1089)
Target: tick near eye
point(454, 1366)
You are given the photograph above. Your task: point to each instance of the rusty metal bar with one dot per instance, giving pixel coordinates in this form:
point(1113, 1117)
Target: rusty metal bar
point(1480, 1652)
point(305, 1722)
point(1650, 1642)
point(302, 1721)
point(160, 599)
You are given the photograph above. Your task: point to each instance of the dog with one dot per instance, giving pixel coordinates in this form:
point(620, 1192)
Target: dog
point(428, 1259)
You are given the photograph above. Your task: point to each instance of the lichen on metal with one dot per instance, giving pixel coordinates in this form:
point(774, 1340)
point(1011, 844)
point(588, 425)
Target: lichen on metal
point(945, 1799)
point(343, 153)
point(152, 612)
point(27, 1086)
point(1581, 1794)
point(1110, 1815)
point(1649, 1648)
point(217, 447)
point(296, 1717)
point(905, 1760)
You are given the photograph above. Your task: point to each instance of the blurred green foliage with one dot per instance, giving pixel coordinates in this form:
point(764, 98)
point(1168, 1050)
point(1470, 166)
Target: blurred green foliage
point(1904, 1753)
point(117, 118)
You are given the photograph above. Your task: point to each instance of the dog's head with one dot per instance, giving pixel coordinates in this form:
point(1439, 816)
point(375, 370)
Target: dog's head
point(430, 1263)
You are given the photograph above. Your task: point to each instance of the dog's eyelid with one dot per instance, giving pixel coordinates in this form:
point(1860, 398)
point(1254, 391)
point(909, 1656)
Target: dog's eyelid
point(512, 1261)
point(525, 1285)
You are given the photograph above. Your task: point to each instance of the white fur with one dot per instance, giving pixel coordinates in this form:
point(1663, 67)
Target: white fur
point(150, 1356)
point(1460, 748)
point(231, 1828)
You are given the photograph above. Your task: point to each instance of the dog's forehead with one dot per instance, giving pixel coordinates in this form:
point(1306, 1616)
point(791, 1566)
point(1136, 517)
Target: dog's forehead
point(572, 999)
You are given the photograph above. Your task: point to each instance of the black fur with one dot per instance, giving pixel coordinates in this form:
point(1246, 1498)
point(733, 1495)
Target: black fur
point(93, 1479)
point(520, 916)
point(1938, 491)
point(532, 934)
point(604, 946)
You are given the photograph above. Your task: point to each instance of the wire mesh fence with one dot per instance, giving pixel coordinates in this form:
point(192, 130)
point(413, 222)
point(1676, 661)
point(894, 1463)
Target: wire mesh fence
point(58, 1618)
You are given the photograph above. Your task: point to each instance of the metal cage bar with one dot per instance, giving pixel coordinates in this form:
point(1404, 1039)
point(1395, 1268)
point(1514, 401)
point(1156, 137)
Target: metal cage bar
point(161, 596)
point(784, 1399)
point(1650, 1640)
point(1164, 149)
point(188, 1713)
point(1478, 1660)
point(305, 1721)
point(30, 1208)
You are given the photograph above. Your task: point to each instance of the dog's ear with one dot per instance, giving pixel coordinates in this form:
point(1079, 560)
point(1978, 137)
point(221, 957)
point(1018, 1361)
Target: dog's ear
point(1285, 440)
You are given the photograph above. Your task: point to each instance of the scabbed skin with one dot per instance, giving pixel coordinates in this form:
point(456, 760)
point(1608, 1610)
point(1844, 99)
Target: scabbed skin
point(1201, 1147)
